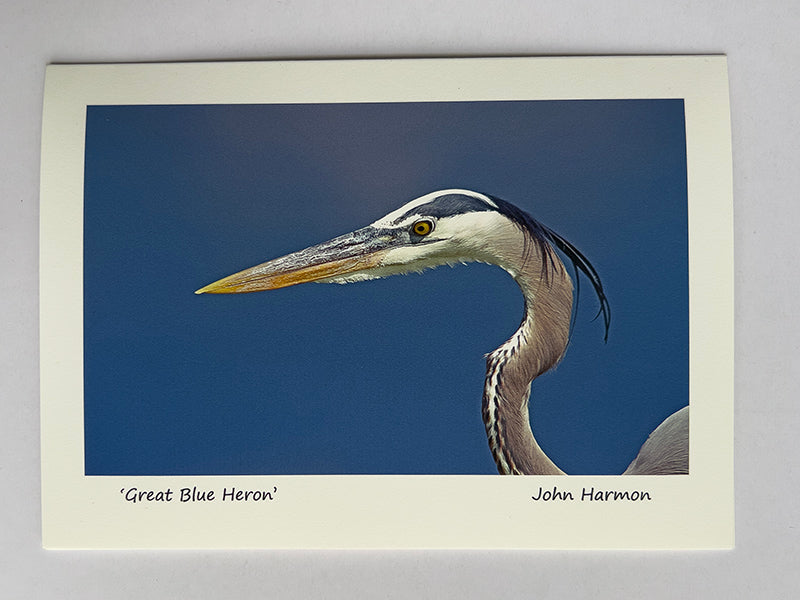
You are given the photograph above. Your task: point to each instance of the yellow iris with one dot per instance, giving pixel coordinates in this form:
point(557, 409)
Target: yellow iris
point(423, 227)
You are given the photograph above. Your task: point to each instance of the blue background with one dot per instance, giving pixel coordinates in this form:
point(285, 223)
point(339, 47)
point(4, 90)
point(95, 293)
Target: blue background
point(382, 376)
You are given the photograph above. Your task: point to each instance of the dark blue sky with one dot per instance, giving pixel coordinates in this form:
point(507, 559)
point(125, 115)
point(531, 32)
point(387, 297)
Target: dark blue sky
point(382, 376)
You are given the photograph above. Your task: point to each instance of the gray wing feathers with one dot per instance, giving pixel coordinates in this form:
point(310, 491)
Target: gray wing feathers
point(666, 451)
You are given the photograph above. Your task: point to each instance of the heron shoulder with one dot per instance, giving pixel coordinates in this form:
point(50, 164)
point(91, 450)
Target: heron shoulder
point(666, 451)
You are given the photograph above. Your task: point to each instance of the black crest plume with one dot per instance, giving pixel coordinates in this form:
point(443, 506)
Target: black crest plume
point(546, 238)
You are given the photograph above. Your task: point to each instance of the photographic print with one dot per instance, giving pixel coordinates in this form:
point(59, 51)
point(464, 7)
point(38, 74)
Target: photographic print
point(476, 268)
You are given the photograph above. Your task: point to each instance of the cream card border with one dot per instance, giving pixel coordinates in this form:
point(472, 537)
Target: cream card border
point(694, 511)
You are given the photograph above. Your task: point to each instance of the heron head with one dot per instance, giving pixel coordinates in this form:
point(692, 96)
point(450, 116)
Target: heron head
point(444, 227)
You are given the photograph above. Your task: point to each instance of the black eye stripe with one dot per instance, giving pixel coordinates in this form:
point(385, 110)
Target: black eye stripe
point(446, 206)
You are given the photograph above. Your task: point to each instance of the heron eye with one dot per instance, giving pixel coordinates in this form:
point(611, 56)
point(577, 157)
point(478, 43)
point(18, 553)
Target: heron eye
point(423, 227)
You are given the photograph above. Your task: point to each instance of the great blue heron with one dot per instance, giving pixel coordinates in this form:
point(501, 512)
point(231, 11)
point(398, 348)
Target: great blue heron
point(458, 226)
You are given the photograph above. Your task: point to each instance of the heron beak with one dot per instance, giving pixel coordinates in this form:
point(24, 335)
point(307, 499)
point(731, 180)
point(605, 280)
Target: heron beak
point(357, 251)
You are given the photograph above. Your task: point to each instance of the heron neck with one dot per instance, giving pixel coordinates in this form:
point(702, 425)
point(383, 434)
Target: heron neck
point(535, 347)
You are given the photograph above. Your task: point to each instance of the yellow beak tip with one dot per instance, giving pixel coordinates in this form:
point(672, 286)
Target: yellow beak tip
point(223, 286)
point(211, 288)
